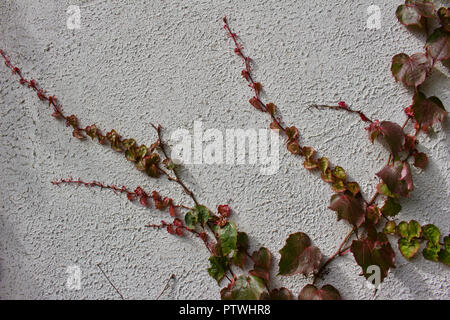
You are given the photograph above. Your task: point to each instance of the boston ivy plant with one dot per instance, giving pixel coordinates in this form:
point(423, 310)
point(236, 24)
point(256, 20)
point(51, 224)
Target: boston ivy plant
point(371, 245)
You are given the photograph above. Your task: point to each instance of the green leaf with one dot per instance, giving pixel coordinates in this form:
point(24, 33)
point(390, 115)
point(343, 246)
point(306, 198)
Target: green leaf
point(408, 248)
point(202, 214)
point(191, 219)
point(427, 111)
point(390, 227)
point(431, 251)
point(411, 70)
point(338, 186)
point(409, 230)
point(324, 164)
point(391, 207)
point(353, 187)
point(298, 256)
point(218, 267)
point(444, 254)
point(240, 254)
point(348, 208)
point(327, 292)
point(339, 173)
point(227, 237)
point(438, 45)
point(431, 233)
point(248, 288)
point(327, 176)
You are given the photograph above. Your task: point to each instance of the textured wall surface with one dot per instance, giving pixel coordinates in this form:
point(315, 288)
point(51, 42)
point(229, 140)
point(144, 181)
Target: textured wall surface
point(136, 62)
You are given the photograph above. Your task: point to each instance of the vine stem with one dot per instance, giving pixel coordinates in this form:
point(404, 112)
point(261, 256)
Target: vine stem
point(177, 177)
point(110, 282)
point(339, 252)
point(172, 276)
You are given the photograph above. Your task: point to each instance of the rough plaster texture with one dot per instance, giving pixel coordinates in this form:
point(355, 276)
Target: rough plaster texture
point(133, 63)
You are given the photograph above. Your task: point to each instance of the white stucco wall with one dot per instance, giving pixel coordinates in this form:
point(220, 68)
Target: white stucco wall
point(167, 62)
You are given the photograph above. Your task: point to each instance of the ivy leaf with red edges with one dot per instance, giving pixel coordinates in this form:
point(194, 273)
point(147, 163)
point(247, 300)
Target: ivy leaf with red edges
point(247, 288)
point(218, 267)
point(294, 148)
point(281, 294)
point(339, 173)
point(427, 111)
point(91, 131)
point(411, 70)
point(390, 227)
point(324, 164)
point(394, 136)
point(338, 186)
point(262, 261)
point(240, 253)
point(227, 237)
point(327, 292)
point(444, 18)
point(438, 45)
point(349, 208)
point(409, 233)
point(292, 133)
point(420, 160)
point(298, 256)
point(397, 180)
point(374, 250)
point(353, 187)
point(411, 13)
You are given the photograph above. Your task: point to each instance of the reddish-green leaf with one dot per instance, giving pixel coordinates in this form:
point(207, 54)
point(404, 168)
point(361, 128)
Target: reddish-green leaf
point(248, 288)
point(390, 227)
point(218, 267)
point(397, 180)
point(374, 251)
point(420, 160)
point(438, 45)
point(444, 18)
point(298, 256)
point(412, 12)
point(262, 261)
point(411, 70)
point(427, 111)
point(327, 292)
point(281, 294)
point(240, 254)
point(348, 208)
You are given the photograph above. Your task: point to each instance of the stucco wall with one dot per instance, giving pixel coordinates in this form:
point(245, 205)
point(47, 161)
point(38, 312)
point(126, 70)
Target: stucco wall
point(133, 63)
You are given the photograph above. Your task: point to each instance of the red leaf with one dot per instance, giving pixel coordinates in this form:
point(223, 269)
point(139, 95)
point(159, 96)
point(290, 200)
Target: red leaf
point(349, 208)
point(224, 210)
point(427, 111)
point(327, 292)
